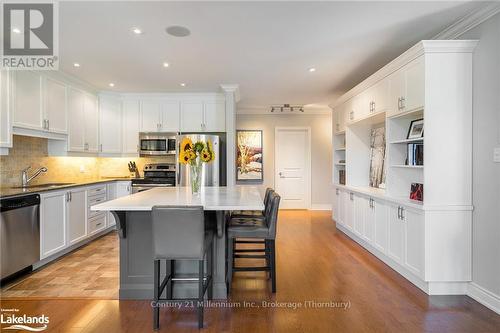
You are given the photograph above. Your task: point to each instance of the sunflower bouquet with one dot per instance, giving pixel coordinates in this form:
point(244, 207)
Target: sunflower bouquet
point(195, 154)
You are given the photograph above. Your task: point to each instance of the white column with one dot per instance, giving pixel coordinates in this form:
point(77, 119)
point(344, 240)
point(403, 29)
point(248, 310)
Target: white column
point(232, 96)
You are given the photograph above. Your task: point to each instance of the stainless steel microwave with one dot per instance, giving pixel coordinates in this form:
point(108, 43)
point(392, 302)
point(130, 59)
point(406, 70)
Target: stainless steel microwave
point(151, 144)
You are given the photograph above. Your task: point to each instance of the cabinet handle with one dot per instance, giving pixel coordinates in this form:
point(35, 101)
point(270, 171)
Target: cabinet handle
point(403, 100)
point(351, 196)
point(399, 103)
point(399, 213)
point(98, 224)
point(402, 214)
point(67, 196)
point(48, 125)
point(100, 147)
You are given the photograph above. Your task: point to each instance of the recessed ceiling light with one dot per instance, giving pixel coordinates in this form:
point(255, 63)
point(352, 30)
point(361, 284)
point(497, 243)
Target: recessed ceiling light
point(136, 31)
point(111, 84)
point(183, 84)
point(178, 31)
point(312, 69)
point(165, 64)
point(76, 64)
point(16, 30)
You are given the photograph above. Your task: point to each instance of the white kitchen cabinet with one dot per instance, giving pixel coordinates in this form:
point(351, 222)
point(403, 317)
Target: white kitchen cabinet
point(192, 119)
point(407, 87)
point(131, 126)
point(5, 114)
point(335, 205)
point(110, 133)
point(150, 116)
point(378, 218)
point(52, 223)
point(349, 214)
point(77, 215)
point(55, 118)
point(396, 244)
point(27, 100)
point(379, 96)
point(360, 204)
point(360, 106)
point(214, 117)
point(414, 240)
point(369, 220)
point(114, 191)
point(91, 113)
point(170, 116)
point(76, 120)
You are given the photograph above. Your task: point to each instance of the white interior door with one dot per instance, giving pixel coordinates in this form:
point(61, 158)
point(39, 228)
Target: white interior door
point(293, 167)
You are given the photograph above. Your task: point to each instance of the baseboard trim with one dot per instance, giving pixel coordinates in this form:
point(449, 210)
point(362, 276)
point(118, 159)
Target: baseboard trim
point(321, 207)
point(485, 297)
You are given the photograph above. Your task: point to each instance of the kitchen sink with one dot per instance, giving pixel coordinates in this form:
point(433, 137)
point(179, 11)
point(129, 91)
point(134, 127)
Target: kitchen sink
point(44, 185)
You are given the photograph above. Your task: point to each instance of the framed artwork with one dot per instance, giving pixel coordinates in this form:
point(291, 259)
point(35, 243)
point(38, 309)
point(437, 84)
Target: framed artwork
point(377, 158)
point(417, 192)
point(249, 163)
point(416, 129)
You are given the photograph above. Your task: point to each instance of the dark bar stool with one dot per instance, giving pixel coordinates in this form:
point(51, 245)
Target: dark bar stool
point(255, 213)
point(179, 234)
point(254, 228)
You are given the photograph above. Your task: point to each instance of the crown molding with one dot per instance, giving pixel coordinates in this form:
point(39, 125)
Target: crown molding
point(232, 88)
point(469, 21)
point(419, 49)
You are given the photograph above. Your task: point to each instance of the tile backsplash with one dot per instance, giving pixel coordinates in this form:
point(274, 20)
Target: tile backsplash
point(30, 151)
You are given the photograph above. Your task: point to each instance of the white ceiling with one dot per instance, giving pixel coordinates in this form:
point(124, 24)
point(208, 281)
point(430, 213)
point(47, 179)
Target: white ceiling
point(265, 47)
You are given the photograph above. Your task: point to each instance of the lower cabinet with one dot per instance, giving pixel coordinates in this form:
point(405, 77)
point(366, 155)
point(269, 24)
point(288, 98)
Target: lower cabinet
point(378, 218)
point(77, 215)
point(348, 201)
point(52, 223)
point(396, 246)
point(414, 240)
point(360, 203)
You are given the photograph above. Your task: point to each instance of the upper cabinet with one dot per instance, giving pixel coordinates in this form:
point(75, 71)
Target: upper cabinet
point(83, 122)
point(39, 103)
point(55, 110)
point(110, 118)
point(27, 100)
point(170, 116)
point(130, 126)
point(203, 116)
point(5, 111)
point(407, 88)
point(160, 116)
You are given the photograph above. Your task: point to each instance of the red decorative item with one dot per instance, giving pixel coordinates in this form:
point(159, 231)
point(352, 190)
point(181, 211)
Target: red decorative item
point(417, 192)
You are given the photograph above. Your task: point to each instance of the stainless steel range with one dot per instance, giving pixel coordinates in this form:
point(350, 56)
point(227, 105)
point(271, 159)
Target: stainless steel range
point(155, 175)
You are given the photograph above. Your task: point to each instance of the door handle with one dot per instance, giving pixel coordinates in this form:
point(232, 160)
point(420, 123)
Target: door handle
point(280, 174)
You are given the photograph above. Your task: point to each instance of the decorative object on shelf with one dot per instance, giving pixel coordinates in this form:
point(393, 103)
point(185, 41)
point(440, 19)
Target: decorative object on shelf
point(341, 161)
point(415, 154)
point(195, 154)
point(287, 108)
point(342, 177)
point(417, 192)
point(377, 159)
point(249, 163)
point(416, 129)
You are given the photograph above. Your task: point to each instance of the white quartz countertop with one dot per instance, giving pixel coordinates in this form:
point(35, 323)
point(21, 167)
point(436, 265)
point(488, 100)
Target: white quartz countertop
point(211, 198)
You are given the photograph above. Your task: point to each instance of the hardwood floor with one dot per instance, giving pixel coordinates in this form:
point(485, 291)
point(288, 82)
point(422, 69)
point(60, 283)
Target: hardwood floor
point(315, 263)
point(89, 272)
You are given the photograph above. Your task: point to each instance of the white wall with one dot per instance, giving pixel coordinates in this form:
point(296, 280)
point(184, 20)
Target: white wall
point(321, 152)
point(486, 173)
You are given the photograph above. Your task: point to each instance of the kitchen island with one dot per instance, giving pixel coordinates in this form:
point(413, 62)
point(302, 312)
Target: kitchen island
point(133, 216)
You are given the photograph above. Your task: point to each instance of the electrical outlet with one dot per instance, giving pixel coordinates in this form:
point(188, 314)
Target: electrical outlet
point(496, 155)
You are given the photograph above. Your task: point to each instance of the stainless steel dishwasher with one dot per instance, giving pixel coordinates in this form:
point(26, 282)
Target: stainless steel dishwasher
point(19, 233)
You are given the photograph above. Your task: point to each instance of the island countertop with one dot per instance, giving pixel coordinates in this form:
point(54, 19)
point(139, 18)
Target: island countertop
point(211, 198)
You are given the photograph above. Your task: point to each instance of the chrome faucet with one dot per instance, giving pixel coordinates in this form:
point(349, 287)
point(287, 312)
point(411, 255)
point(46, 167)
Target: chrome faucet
point(26, 179)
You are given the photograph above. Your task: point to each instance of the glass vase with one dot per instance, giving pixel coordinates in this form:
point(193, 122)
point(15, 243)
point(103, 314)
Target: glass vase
point(195, 173)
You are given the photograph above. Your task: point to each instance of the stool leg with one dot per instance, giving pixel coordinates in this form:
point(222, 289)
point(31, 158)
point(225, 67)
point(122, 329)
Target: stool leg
point(273, 264)
point(268, 255)
point(170, 287)
point(200, 293)
point(210, 272)
point(156, 286)
point(230, 264)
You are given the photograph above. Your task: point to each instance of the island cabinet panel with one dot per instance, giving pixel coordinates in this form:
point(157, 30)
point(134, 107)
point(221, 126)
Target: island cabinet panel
point(77, 215)
point(52, 223)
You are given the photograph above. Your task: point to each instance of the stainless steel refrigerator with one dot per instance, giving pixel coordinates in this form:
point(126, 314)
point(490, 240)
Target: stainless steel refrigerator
point(213, 173)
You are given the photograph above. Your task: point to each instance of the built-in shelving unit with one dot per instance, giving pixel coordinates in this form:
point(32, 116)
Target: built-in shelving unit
point(427, 241)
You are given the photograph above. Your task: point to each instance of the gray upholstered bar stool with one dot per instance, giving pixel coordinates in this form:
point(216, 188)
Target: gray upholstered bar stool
point(254, 228)
point(179, 234)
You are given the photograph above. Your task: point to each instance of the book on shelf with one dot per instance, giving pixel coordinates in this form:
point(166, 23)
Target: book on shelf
point(415, 154)
point(342, 177)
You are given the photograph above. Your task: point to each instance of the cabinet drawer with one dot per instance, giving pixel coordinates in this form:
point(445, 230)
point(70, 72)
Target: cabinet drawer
point(96, 190)
point(94, 201)
point(97, 224)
